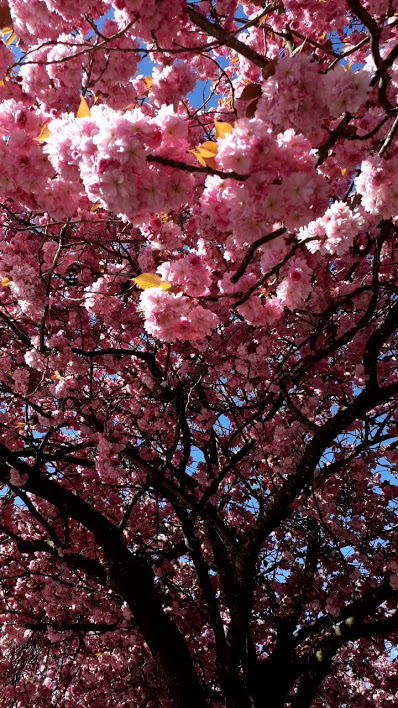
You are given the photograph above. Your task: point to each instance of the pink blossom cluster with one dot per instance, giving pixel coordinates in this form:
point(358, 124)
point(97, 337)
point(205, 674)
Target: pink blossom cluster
point(28, 290)
point(64, 64)
point(377, 185)
point(47, 19)
point(173, 316)
point(67, 8)
point(335, 231)
point(171, 83)
point(107, 464)
point(72, 62)
point(110, 149)
point(114, 66)
point(163, 235)
point(296, 286)
point(33, 78)
point(298, 96)
point(190, 272)
point(25, 170)
point(6, 59)
point(283, 186)
point(261, 314)
point(161, 17)
point(309, 16)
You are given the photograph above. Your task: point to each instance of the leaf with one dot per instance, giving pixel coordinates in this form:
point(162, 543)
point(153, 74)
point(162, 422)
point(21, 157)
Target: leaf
point(269, 70)
point(83, 111)
point(5, 282)
point(5, 17)
point(147, 280)
point(44, 134)
point(150, 280)
point(250, 91)
point(205, 153)
point(95, 206)
point(221, 129)
point(251, 109)
point(210, 162)
point(343, 170)
point(11, 39)
point(148, 82)
point(208, 148)
point(198, 156)
point(56, 376)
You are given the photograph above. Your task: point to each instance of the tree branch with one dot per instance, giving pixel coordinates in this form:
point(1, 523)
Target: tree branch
point(226, 39)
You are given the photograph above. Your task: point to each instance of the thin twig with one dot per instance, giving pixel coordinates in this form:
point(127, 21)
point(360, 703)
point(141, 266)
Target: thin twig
point(167, 162)
point(389, 138)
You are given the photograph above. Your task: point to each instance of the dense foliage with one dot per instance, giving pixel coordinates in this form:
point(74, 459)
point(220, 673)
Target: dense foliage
point(198, 313)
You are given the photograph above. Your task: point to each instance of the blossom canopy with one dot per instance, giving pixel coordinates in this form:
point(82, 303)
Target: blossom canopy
point(198, 380)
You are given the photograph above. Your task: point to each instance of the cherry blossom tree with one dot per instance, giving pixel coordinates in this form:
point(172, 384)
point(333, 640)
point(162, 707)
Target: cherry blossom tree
point(198, 314)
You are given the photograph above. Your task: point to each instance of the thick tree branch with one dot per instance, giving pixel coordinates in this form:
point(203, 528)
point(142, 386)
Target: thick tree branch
point(131, 578)
point(226, 39)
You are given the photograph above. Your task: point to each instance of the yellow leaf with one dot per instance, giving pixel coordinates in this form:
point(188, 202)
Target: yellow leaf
point(11, 39)
point(83, 110)
point(1, 82)
point(199, 157)
point(44, 134)
point(95, 206)
point(6, 30)
point(210, 162)
point(5, 282)
point(221, 129)
point(208, 149)
point(343, 170)
point(56, 376)
point(147, 280)
point(150, 280)
point(148, 81)
point(205, 153)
